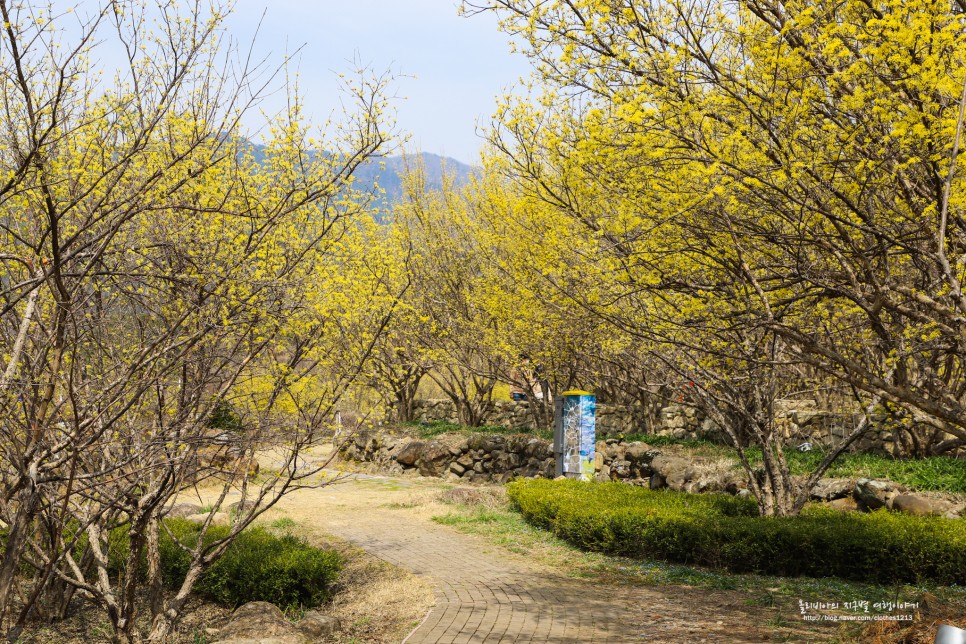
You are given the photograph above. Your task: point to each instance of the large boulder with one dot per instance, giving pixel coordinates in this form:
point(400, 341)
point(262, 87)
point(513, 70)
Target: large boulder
point(409, 453)
point(259, 623)
point(183, 510)
point(831, 489)
point(317, 625)
point(434, 458)
point(873, 494)
point(667, 465)
point(639, 454)
point(923, 506)
point(675, 472)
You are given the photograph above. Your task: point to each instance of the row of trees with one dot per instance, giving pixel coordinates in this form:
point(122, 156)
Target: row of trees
point(727, 202)
point(747, 200)
point(156, 267)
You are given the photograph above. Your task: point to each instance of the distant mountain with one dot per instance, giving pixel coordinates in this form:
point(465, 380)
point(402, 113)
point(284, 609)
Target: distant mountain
point(388, 172)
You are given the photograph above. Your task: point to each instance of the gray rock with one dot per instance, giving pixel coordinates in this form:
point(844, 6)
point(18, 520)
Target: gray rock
point(183, 510)
point(640, 453)
point(874, 494)
point(507, 461)
point(316, 625)
point(657, 481)
point(549, 468)
point(620, 470)
point(680, 481)
point(409, 453)
point(920, 505)
point(846, 504)
point(433, 458)
point(668, 466)
point(831, 489)
point(456, 468)
point(535, 448)
point(260, 622)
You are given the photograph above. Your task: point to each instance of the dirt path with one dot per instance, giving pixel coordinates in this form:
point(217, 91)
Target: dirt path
point(487, 594)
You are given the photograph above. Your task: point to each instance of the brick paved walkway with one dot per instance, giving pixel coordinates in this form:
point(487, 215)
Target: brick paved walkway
point(486, 594)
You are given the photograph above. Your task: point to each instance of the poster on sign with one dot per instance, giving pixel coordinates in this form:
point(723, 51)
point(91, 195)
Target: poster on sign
point(575, 434)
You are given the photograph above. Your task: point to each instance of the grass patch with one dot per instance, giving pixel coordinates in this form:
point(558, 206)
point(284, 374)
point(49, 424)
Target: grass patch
point(258, 566)
point(935, 473)
point(284, 523)
point(720, 531)
point(496, 521)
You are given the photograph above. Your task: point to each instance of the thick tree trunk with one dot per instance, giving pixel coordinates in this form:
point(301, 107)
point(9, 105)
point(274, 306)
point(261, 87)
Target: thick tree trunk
point(155, 598)
point(15, 544)
point(164, 622)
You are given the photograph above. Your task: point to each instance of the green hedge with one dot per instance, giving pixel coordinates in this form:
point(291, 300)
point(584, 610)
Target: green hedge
point(258, 566)
point(725, 532)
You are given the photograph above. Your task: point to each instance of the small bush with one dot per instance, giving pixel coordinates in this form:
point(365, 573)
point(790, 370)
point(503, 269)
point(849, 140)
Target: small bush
point(224, 416)
point(725, 532)
point(259, 566)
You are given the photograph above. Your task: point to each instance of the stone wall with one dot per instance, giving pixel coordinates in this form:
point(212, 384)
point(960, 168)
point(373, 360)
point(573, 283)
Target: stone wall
point(799, 421)
point(478, 457)
point(611, 420)
point(498, 458)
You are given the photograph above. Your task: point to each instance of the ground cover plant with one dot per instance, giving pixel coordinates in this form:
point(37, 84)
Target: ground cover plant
point(487, 513)
point(723, 532)
point(932, 473)
point(259, 566)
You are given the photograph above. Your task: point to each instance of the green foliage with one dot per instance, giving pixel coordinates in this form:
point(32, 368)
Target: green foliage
point(661, 441)
point(724, 532)
point(940, 473)
point(440, 427)
point(937, 473)
point(259, 566)
point(224, 416)
point(282, 570)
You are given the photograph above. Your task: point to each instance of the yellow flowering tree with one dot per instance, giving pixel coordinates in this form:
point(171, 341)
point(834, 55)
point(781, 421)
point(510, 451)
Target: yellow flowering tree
point(772, 185)
point(156, 266)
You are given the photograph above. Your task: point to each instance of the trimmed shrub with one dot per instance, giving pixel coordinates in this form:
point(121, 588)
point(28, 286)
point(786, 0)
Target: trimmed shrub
point(726, 532)
point(258, 566)
point(282, 570)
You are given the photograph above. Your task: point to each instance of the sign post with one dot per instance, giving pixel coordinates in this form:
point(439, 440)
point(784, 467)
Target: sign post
point(575, 434)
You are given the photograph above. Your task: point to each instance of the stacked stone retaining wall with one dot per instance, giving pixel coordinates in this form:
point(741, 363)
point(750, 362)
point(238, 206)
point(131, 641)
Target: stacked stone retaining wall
point(799, 421)
point(499, 458)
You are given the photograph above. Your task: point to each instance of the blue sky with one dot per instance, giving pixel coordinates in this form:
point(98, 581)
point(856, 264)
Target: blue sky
point(450, 68)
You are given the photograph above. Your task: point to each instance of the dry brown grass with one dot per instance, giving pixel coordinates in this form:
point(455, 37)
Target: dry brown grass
point(375, 601)
point(931, 614)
